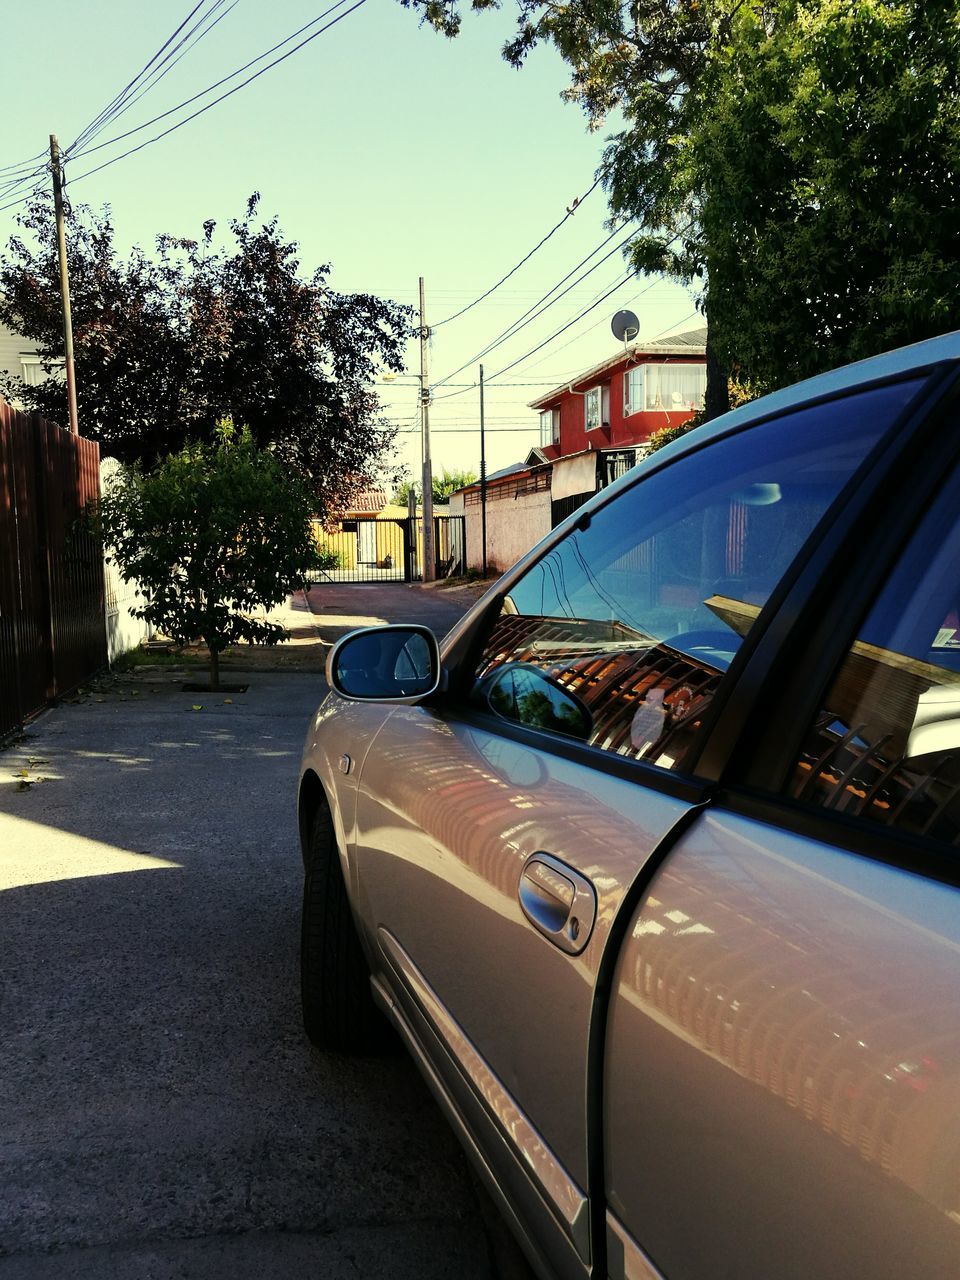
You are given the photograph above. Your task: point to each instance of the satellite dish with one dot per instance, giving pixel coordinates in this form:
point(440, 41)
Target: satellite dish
point(625, 326)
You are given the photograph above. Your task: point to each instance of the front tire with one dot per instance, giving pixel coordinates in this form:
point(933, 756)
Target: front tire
point(338, 1009)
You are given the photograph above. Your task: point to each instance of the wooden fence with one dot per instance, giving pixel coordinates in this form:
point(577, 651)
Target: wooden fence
point(52, 633)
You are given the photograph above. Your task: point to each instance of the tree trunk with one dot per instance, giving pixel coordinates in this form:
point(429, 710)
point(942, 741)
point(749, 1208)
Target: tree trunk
point(717, 399)
point(214, 667)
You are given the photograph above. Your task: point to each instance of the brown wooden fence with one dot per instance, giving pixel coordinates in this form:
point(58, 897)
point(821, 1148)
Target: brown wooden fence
point(52, 633)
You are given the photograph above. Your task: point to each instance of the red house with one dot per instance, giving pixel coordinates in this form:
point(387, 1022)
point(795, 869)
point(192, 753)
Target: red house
point(624, 400)
point(592, 430)
point(611, 409)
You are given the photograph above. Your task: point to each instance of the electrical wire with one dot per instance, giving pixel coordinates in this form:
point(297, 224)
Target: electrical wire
point(118, 98)
point(216, 85)
point(208, 106)
point(118, 104)
point(526, 258)
point(532, 313)
point(628, 275)
point(197, 32)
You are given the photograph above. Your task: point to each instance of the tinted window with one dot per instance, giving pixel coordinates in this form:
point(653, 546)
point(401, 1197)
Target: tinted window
point(637, 616)
point(886, 744)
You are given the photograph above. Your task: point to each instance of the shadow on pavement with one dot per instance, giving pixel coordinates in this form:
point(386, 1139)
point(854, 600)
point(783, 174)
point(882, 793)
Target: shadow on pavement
point(154, 1081)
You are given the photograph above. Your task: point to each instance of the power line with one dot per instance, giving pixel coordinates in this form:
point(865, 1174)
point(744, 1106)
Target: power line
point(114, 102)
point(203, 93)
point(197, 32)
point(595, 303)
point(121, 101)
point(532, 313)
point(526, 258)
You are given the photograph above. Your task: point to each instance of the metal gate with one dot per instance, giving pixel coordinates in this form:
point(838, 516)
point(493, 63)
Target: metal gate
point(387, 549)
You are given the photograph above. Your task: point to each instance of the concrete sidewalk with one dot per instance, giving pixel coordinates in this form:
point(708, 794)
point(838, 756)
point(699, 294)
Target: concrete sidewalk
point(163, 1115)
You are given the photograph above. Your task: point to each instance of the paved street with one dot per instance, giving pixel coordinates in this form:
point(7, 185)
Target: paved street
point(342, 608)
point(163, 1115)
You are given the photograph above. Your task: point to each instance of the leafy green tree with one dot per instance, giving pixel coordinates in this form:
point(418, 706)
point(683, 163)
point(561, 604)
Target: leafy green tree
point(167, 345)
point(796, 160)
point(443, 486)
point(211, 533)
point(827, 170)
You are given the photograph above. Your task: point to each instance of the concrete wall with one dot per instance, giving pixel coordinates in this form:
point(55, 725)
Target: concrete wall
point(124, 632)
point(514, 525)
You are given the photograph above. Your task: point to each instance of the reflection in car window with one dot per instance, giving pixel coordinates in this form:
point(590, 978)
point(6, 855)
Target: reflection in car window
point(886, 744)
point(639, 614)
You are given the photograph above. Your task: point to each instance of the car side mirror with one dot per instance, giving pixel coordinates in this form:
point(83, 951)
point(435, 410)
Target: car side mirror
point(399, 664)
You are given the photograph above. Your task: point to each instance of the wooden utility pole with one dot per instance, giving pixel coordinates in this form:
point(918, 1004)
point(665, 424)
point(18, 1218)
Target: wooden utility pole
point(64, 284)
point(429, 556)
point(483, 479)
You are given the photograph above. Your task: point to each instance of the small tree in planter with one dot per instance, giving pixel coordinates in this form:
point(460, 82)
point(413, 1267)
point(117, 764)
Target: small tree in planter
point(210, 534)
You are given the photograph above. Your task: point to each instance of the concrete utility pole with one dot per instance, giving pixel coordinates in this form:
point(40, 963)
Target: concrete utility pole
point(64, 284)
point(483, 478)
point(429, 572)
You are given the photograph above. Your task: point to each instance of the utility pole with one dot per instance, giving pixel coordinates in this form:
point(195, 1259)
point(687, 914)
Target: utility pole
point(64, 283)
point(429, 572)
point(483, 479)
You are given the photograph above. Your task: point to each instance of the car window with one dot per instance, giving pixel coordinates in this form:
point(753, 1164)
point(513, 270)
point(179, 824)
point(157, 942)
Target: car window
point(624, 629)
point(885, 745)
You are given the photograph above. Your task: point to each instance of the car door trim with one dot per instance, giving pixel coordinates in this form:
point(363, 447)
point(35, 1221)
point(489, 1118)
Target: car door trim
point(567, 1201)
point(625, 1259)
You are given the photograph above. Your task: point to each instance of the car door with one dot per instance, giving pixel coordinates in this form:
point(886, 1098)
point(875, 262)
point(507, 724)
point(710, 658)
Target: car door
point(501, 827)
point(782, 1084)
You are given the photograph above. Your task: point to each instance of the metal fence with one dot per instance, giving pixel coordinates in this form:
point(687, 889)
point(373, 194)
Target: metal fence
point(52, 634)
point(388, 549)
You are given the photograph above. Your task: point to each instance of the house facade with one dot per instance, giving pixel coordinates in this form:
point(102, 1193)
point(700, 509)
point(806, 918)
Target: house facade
point(592, 430)
point(623, 401)
point(19, 358)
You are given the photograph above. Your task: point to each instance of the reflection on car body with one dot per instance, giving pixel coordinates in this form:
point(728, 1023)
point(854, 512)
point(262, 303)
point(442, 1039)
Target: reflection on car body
point(659, 883)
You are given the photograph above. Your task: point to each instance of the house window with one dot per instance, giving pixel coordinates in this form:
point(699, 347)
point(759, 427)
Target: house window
point(550, 426)
point(596, 408)
point(32, 370)
point(633, 390)
point(675, 388)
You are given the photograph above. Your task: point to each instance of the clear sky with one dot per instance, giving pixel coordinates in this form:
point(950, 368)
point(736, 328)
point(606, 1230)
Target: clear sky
point(385, 150)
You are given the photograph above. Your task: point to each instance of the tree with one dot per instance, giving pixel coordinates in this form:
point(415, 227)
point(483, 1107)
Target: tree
point(210, 533)
point(166, 346)
point(828, 173)
point(443, 486)
point(644, 59)
point(796, 160)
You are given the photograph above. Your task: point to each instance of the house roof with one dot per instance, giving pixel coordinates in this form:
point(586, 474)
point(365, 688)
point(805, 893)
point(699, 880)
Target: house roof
point(370, 499)
point(495, 477)
point(692, 342)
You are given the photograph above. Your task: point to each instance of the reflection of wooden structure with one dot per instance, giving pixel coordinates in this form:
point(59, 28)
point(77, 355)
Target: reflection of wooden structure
point(783, 997)
point(646, 698)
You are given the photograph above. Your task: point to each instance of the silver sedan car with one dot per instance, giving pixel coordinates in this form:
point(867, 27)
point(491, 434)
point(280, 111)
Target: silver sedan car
point(653, 861)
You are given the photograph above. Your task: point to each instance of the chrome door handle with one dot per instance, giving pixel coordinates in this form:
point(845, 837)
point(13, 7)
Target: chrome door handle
point(558, 901)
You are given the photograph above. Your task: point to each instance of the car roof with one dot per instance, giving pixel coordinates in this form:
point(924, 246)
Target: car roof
point(919, 355)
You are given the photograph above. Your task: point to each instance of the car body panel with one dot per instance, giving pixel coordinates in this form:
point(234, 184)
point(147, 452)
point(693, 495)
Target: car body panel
point(339, 736)
point(778, 1068)
point(448, 814)
point(782, 1065)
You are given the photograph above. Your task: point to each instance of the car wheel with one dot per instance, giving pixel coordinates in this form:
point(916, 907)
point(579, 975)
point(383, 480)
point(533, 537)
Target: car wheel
point(338, 1009)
